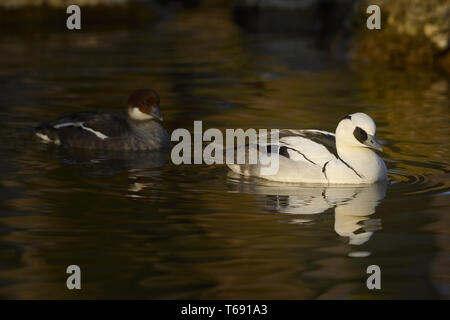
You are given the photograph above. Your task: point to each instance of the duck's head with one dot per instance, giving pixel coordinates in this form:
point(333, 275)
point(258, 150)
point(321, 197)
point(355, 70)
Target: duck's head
point(357, 130)
point(143, 105)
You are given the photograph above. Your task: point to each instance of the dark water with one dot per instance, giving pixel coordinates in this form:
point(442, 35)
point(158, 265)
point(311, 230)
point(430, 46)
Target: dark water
point(141, 227)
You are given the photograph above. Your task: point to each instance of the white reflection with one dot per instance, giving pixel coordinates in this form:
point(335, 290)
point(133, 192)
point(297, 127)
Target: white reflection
point(352, 204)
point(141, 170)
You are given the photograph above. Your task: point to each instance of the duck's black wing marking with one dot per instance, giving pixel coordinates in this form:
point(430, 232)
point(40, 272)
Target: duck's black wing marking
point(288, 145)
point(300, 150)
point(326, 139)
point(284, 151)
point(324, 170)
point(313, 146)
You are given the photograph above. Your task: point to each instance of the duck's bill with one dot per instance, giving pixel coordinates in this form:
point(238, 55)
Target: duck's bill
point(155, 113)
point(373, 143)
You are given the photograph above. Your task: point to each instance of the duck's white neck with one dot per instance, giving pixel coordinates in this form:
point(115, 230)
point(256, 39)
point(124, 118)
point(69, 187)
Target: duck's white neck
point(364, 161)
point(138, 115)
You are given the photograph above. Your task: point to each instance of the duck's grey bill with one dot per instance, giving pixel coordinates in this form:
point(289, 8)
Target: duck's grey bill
point(371, 142)
point(155, 113)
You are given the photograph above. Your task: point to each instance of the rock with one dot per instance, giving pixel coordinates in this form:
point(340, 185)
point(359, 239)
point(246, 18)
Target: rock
point(412, 32)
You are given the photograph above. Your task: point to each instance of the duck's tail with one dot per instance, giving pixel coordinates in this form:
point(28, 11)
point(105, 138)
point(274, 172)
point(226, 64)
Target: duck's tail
point(47, 134)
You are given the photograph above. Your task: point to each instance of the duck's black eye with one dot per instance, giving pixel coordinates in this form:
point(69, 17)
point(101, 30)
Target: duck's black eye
point(360, 134)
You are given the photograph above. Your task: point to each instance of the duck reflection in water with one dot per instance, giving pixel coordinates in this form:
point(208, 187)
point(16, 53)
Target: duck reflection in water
point(139, 165)
point(114, 161)
point(353, 204)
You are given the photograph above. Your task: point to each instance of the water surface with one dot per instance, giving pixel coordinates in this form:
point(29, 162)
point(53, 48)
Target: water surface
point(141, 227)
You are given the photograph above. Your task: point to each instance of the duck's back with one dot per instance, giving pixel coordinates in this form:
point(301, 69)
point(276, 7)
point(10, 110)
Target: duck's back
point(108, 130)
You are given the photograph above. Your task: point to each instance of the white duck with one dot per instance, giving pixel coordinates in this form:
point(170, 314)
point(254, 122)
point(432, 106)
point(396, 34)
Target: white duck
point(314, 156)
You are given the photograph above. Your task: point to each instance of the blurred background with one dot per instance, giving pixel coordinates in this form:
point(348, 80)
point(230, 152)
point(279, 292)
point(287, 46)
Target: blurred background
point(414, 31)
point(141, 227)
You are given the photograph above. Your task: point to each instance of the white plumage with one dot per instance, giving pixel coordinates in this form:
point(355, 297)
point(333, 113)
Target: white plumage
point(81, 125)
point(314, 156)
